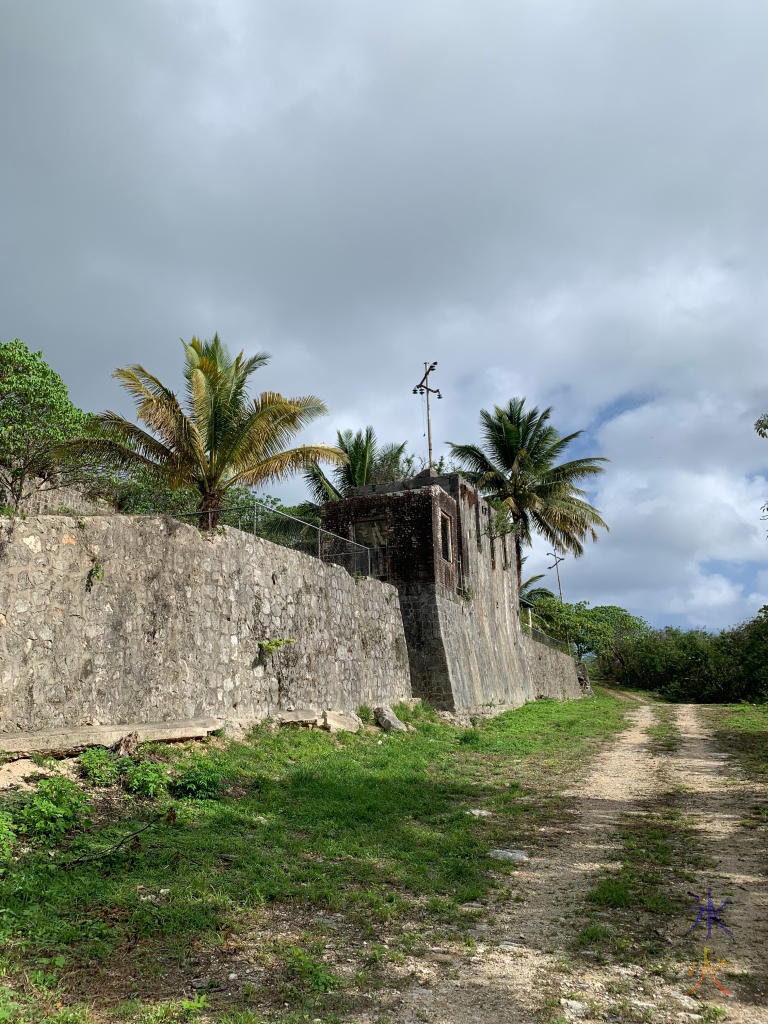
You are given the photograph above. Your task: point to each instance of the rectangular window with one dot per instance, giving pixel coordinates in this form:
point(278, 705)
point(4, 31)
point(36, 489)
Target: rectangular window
point(445, 537)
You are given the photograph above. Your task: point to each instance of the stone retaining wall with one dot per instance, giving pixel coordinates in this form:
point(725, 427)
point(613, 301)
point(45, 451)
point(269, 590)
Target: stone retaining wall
point(114, 619)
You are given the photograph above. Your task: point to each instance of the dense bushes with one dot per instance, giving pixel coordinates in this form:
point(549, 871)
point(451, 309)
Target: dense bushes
point(694, 665)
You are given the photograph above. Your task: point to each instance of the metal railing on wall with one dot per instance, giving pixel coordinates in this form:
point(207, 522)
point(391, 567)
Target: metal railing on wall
point(262, 520)
point(543, 638)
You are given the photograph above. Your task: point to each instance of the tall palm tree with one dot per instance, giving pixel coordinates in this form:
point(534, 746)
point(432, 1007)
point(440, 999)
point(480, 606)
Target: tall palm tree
point(220, 439)
point(367, 462)
point(517, 465)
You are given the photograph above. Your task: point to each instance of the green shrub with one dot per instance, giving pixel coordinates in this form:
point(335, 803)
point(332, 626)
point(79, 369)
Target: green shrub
point(56, 807)
point(365, 714)
point(7, 835)
point(100, 767)
point(199, 777)
point(692, 665)
point(146, 778)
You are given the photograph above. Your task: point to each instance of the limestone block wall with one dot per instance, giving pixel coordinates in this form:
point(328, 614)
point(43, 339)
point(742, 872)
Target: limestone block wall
point(458, 594)
point(552, 673)
point(115, 619)
point(46, 500)
point(479, 623)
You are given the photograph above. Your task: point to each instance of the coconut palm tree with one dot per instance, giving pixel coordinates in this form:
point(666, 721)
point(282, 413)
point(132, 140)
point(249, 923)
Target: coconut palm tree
point(219, 438)
point(517, 465)
point(367, 462)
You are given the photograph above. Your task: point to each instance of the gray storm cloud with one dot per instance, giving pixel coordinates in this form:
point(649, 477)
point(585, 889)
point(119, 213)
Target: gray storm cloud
point(562, 201)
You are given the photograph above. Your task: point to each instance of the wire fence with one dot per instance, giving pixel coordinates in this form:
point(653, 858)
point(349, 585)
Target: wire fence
point(543, 638)
point(269, 523)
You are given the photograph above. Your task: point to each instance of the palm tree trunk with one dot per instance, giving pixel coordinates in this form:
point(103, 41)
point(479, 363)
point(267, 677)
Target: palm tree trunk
point(519, 562)
point(209, 511)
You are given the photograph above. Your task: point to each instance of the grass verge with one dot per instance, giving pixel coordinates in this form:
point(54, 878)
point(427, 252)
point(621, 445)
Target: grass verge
point(742, 729)
point(321, 859)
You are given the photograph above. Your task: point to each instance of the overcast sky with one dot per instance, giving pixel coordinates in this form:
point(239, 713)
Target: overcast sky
point(562, 200)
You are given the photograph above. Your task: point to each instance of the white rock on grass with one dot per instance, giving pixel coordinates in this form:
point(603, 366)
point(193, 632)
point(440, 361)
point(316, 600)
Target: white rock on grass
point(335, 721)
point(307, 718)
point(574, 1009)
point(477, 812)
point(515, 856)
point(387, 720)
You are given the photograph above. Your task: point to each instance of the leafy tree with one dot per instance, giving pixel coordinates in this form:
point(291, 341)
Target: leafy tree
point(598, 631)
point(367, 462)
point(36, 415)
point(695, 665)
point(676, 663)
point(221, 439)
point(741, 658)
point(518, 465)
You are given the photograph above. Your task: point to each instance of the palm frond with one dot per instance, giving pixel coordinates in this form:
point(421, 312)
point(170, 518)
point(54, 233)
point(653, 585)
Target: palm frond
point(281, 464)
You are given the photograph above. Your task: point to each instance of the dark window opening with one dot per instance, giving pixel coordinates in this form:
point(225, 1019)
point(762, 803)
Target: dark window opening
point(445, 537)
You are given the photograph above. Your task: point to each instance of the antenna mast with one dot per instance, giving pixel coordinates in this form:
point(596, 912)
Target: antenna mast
point(423, 388)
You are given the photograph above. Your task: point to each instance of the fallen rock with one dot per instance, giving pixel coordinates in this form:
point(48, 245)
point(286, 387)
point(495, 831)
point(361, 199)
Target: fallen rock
point(335, 721)
point(307, 718)
point(477, 812)
point(573, 1008)
point(387, 720)
point(515, 856)
point(686, 1001)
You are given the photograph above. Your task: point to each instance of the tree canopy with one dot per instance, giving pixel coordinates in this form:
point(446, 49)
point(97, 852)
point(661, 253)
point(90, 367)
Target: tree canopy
point(598, 631)
point(518, 466)
point(36, 415)
point(367, 462)
point(219, 439)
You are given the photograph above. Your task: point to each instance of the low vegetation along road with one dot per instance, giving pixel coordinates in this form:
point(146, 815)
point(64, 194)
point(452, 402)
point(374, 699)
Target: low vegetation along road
point(552, 864)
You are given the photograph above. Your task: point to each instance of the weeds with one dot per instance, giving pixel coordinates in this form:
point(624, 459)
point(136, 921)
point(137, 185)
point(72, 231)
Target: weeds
point(199, 778)
point(100, 767)
point(146, 778)
point(56, 807)
point(375, 831)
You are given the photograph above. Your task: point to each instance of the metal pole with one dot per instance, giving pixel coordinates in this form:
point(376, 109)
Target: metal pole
point(423, 388)
point(429, 422)
point(556, 566)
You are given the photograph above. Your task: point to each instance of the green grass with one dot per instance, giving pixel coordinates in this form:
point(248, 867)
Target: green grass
point(664, 734)
point(658, 850)
point(367, 826)
point(742, 729)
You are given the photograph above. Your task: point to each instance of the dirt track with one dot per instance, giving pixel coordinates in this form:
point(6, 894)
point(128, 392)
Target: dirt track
point(525, 962)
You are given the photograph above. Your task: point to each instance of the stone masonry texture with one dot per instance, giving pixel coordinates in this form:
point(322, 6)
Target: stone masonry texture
point(466, 647)
point(113, 619)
